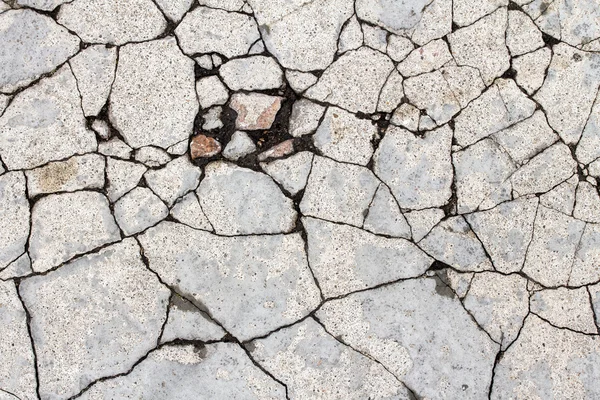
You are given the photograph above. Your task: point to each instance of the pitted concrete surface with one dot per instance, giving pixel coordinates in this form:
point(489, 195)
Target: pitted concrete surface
point(299, 199)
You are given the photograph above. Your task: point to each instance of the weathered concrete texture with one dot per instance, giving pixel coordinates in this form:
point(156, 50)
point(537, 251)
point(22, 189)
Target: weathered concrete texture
point(113, 307)
point(14, 217)
point(250, 284)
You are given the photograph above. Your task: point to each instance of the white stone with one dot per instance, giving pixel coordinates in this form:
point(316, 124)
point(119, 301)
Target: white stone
point(32, 45)
point(187, 322)
point(153, 99)
point(384, 216)
point(174, 9)
point(428, 58)
point(14, 217)
point(292, 172)
point(122, 176)
point(250, 284)
point(305, 117)
point(187, 210)
point(522, 36)
point(300, 81)
point(151, 156)
point(587, 203)
point(252, 73)
point(76, 173)
point(56, 217)
point(138, 210)
point(351, 36)
point(422, 221)
point(241, 201)
point(395, 17)
point(211, 91)
point(174, 180)
point(375, 37)
point(338, 192)
point(399, 47)
point(565, 308)
point(465, 12)
point(531, 69)
point(392, 93)
point(432, 93)
point(255, 110)
point(94, 69)
point(344, 137)
point(435, 22)
point(115, 147)
point(239, 146)
point(121, 22)
point(113, 307)
point(44, 123)
point(353, 81)
point(208, 30)
point(417, 169)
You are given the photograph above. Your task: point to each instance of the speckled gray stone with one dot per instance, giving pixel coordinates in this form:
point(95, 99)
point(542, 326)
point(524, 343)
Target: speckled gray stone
point(187, 322)
point(187, 210)
point(214, 371)
point(44, 123)
point(250, 284)
point(385, 217)
point(56, 217)
point(241, 201)
point(173, 181)
point(398, 325)
point(292, 172)
point(113, 307)
point(14, 217)
point(32, 45)
point(122, 176)
point(252, 73)
point(138, 210)
point(153, 99)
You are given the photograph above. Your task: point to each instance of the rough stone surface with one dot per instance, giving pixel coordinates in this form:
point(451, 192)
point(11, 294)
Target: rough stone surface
point(262, 283)
point(173, 181)
point(14, 217)
point(138, 210)
point(159, 109)
point(255, 111)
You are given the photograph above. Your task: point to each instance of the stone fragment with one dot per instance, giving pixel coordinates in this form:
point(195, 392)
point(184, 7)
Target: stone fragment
point(122, 22)
point(374, 37)
point(399, 47)
point(56, 217)
point(187, 322)
point(482, 45)
point(187, 210)
point(569, 90)
point(280, 150)
point(406, 116)
point(483, 172)
point(205, 62)
point(465, 83)
point(138, 210)
point(152, 156)
point(300, 81)
point(432, 93)
point(551, 252)
point(178, 149)
point(561, 197)
point(44, 5)
point(353, 81)
point(392, 16)
point(546, 362)
point(17, 370)
point(257, 48)
point(102, 129)
point(250, 284)
point(211, 91)
point(351, 36)
point(546, 170)
point(302, 35)
point(122, 176)
point(587, 204)
point(422, 221)
point(398, 325)
point(32, 45)
point(45, 123)
point(565, 308)
point(174, 10)
point(255, 110)
point(506, 232)
point(588, 148)
point(499, 303)
point(114, 308)
point(392, 93)
point(465, 12)
point(585, 266)
point(344, 137)
point(453, 242)
point(424, 59)
point(17, 269)
point(76, 173)
point(212, 119)
point(531, 69)
point(94, 69)
point(115, 147)
point(202, 146)
point(526, 138)
point(436, 22)
point(291, 172)
point(174, 180)
point(370, 261)
point(522, 36)
point(252, 73)
point(239, 146)
point(305, 117)
point(229, 5)
point(14, 217)
point(338, 192)
point(384, 216)
point(209, 30)
point(501, 106)
point(239, 201)
point(219, 370)
point(417, 169)
point(153, 99)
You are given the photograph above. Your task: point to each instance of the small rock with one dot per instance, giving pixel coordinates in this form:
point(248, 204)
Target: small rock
point(279, 150)
point(255, 110)
point(239, 146)
point(202, 146)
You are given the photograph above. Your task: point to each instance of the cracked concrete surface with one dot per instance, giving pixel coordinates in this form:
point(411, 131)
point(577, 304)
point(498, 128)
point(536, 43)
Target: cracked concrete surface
point(299, 199)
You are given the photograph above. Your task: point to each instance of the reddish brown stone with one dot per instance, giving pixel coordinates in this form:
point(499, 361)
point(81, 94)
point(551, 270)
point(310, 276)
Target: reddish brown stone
point(279, 150)
point(203, 146)
point(255, 110)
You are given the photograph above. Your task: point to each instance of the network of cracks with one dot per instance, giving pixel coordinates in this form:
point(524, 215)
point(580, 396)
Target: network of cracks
point(299, 199)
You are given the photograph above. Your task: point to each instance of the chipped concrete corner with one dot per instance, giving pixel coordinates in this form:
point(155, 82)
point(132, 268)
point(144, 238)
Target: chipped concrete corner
point(294, 199)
